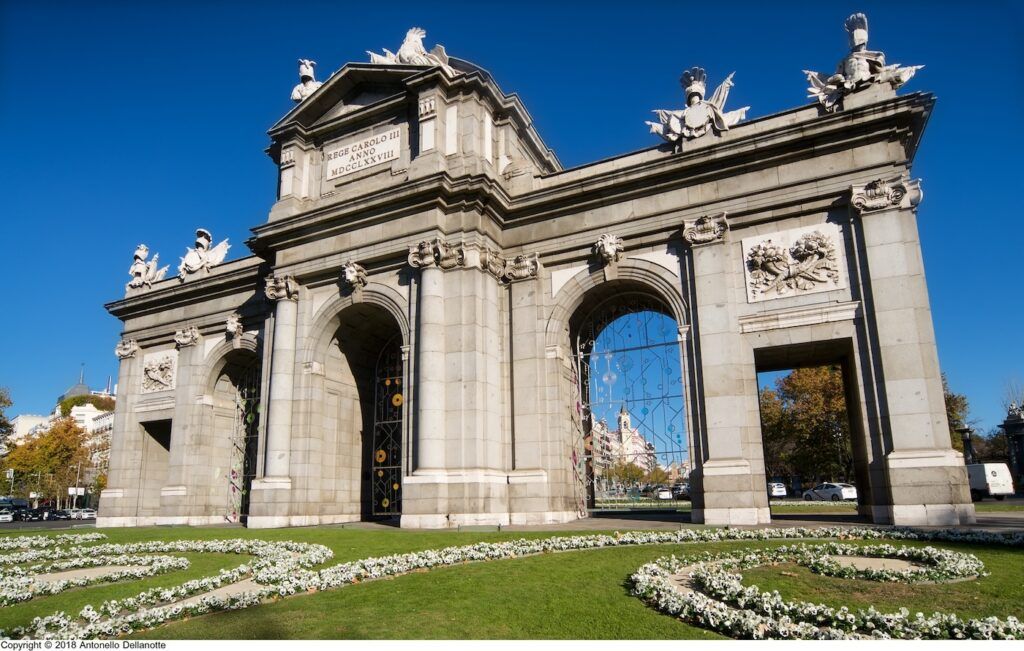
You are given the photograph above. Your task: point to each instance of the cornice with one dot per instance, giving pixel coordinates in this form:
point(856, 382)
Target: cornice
point(224, 280)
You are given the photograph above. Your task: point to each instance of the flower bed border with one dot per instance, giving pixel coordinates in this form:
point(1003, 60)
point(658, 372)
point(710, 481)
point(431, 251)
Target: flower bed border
point(284, 568)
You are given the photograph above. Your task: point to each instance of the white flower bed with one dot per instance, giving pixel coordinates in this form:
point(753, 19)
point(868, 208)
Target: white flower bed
point(722, 603)
point(285, 568)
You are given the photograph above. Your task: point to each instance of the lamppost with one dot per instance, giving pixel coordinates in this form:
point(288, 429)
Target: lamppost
point(965, 433)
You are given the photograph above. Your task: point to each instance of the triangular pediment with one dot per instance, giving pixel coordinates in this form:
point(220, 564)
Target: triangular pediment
point(355, 86)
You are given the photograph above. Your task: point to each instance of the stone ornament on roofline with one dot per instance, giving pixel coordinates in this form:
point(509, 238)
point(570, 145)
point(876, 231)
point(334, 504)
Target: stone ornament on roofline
point(307, 81)
point(412, 53)
point(706, 229)
point(700, 115)
point(126, 348)
point(282, 288)
point(143, 273)
point(186, 337)
point(203, 257)
point(860, 69)
point(880, 194)
point(437, 252)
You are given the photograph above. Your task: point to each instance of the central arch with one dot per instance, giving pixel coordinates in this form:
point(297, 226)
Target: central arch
point(629, 372)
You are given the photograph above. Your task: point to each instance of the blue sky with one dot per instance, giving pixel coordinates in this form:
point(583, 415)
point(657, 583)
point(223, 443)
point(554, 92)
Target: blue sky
point(137, 122)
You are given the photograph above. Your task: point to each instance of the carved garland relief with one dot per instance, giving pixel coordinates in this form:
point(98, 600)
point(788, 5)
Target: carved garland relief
point(794, 262)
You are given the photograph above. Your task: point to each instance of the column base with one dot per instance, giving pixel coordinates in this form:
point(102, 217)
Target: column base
point(732, 516)
point(269, 502)
point(927, 487)
point(730, 494)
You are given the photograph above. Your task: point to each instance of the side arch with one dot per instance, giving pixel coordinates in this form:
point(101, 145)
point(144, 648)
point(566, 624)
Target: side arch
point(327, 320)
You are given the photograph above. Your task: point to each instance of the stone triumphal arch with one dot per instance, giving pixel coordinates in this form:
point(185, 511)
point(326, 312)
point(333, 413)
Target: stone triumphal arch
point(408, 335)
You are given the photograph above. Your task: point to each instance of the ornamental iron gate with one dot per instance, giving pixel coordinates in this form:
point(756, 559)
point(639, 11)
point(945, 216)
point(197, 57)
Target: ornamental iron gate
point(630, 416)
point(244, 442)
point(386, 452)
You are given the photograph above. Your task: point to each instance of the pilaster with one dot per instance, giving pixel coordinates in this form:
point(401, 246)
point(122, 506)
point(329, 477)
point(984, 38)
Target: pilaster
point(927, 479)
point(730, 482)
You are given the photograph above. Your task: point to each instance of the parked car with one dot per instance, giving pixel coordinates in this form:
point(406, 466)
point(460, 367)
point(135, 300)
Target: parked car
point(59, 514)
point(664, 493)
point(6, 516)
point(75, 514)
point(989, 479)
point(28, 515)
point(681, 491)
point(88, 514)
point(831, 492)
point(776, 489)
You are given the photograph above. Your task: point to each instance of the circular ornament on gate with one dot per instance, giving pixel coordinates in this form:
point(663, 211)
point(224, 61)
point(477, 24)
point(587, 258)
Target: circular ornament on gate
point(387, 382)
point(394, 486)
point(397, 400)
point(380, 473)
point(381, 456)
point(385, 502)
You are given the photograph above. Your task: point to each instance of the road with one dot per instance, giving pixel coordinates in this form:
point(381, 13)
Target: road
point(47, 525)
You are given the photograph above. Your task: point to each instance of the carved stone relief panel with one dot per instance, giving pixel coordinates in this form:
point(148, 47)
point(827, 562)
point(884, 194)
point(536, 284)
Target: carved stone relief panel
point(159, 371)
point(798, 261)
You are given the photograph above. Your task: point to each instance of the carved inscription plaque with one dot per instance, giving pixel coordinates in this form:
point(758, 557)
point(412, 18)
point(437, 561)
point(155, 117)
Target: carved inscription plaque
point(364, 153)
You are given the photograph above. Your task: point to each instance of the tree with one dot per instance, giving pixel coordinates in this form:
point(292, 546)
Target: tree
point(627, 474)
point(657, 476)
point(50, 462)
point(957, 413)
point(103, 403)
point(804, 425)
point(5, 425)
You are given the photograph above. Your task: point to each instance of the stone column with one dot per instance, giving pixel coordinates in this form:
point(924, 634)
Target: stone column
point(430, 381)
point(927, 479)
point(284, 290)
point(730, 476)
point(270, 503)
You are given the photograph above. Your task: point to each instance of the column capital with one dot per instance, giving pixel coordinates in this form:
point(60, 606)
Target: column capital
point(708, 229)
point(437, 253)
point(126, 348)
point(186, 337)
point(282, 287)
point(882, 194)
point(522, 267)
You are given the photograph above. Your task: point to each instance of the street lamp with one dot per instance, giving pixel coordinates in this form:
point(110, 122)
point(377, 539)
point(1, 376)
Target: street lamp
point(965, 433)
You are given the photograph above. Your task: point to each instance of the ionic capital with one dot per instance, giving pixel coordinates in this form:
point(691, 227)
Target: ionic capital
point(282, 288)
point(437, 253)
point(882, 194)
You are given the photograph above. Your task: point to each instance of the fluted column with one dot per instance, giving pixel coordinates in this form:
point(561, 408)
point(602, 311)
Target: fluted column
point(285, 291)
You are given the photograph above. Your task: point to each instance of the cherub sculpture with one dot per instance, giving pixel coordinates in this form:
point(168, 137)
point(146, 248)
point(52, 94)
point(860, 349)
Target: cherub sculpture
point(413, 53)
point(307, 82)
point(858, 70)
point(700, 115)
point(143, 273)
point(202, 257)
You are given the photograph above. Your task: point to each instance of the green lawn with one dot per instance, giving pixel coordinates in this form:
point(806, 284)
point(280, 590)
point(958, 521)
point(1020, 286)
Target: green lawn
point(573, 595)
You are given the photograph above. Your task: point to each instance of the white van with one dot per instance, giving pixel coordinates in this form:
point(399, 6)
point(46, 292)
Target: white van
point(989, 479)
